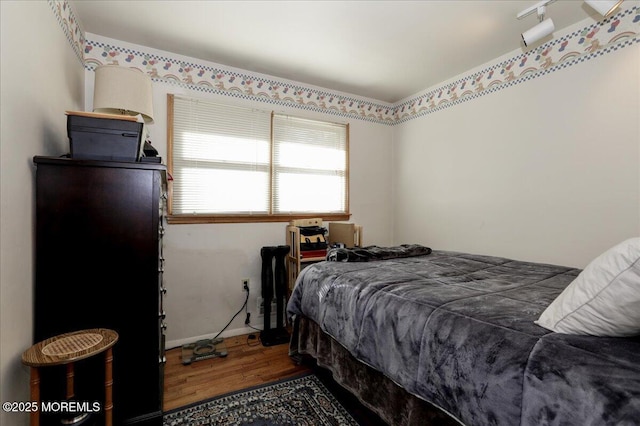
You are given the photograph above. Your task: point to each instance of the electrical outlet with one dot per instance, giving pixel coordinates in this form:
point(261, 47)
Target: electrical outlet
point(245, 284)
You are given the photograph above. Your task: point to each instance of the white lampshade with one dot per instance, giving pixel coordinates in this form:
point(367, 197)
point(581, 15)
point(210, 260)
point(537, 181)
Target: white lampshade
point(120, 90)
point(541, 30)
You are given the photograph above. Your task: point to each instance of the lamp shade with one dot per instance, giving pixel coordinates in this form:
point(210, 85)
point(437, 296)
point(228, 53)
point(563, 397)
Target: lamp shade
point(120, 90)
point(604, 7)
point(541, 30)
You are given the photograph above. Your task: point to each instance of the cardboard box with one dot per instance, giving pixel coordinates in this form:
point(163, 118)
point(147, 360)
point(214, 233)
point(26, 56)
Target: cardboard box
point(342, 233)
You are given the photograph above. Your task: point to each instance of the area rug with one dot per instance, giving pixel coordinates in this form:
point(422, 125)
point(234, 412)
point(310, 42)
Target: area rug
point(303, 400)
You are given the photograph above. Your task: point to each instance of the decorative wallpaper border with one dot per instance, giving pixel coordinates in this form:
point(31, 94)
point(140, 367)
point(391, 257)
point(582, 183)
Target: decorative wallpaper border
point(206, 77)
point(616, 32)
point(70, 25)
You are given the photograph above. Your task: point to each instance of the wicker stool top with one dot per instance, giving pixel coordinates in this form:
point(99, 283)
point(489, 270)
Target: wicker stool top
point(71, 344)
point(69, 347)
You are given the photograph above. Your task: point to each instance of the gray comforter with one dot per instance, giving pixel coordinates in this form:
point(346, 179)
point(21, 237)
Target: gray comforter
point(457, 330)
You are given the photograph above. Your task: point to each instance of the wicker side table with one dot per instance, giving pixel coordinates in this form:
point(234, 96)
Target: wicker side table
point(66, 349)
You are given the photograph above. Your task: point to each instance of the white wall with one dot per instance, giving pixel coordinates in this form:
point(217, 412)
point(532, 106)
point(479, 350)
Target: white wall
point(206, 263)
point(41, 77)
point(547, 170)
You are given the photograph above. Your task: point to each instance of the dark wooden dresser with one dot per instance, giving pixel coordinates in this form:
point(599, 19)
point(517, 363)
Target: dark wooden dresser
point(99, 227)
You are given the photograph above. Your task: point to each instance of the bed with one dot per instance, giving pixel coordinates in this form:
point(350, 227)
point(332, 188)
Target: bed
point(439, 337)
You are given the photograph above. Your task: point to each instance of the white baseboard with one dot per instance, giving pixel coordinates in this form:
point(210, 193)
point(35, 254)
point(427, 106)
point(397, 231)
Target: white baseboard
point(170, 344)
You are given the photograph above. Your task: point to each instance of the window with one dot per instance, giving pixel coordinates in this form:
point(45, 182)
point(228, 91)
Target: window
point(235, 164)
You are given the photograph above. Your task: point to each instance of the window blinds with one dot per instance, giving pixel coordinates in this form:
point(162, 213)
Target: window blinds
point(309, 166)
point(229, 160)
point(221, 158)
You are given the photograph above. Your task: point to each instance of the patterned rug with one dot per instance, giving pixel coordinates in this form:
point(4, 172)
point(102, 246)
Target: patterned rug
point(303, 400)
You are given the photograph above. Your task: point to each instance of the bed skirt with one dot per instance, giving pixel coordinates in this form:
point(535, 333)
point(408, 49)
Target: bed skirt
point(377, 392)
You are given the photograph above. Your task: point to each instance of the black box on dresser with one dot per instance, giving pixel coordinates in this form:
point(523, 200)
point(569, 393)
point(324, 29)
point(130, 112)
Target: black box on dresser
point(99, 138)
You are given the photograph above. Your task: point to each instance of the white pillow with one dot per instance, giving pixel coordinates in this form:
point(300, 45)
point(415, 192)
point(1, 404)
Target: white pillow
point(604, 300)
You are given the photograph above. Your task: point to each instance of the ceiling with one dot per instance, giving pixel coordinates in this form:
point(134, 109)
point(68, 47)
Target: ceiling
point(383, 50)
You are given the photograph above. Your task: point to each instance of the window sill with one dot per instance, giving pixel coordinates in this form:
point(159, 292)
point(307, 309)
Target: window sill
point(196, 219)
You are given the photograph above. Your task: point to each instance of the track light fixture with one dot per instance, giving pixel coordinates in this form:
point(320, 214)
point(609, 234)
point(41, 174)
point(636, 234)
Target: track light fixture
point(542, 29)
point(604, 7)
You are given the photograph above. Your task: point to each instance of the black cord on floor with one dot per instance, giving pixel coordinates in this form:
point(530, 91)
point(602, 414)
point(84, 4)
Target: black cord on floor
point(244, 306)
point(234, 317)
point(256, 329)
point(251, 337)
